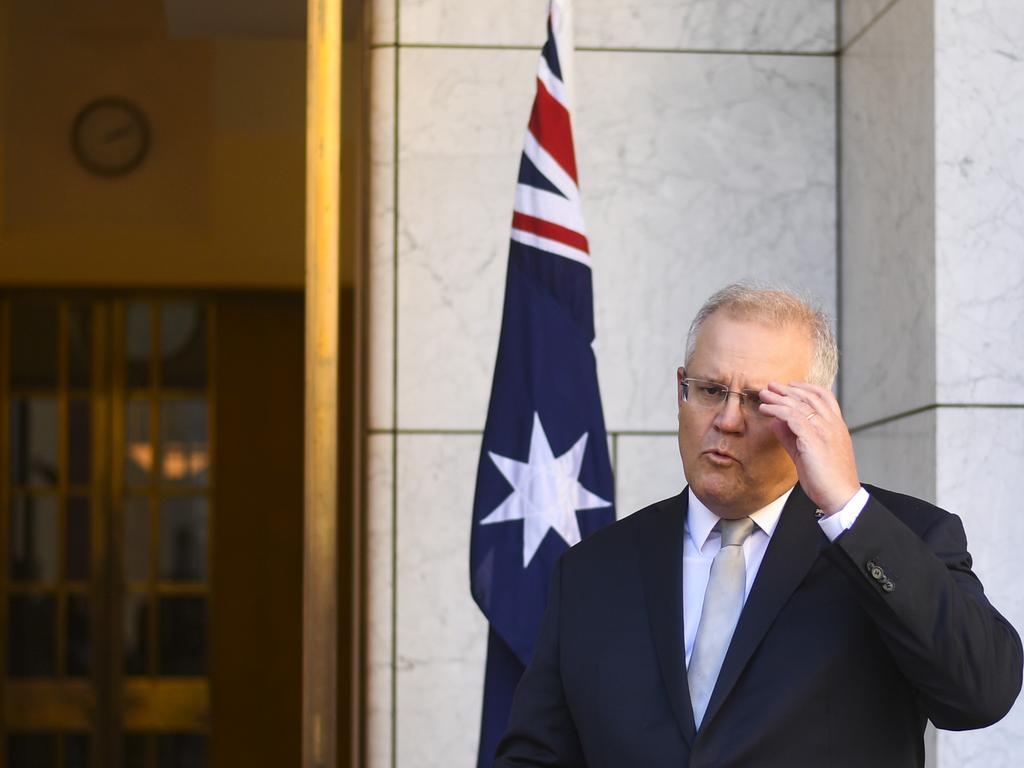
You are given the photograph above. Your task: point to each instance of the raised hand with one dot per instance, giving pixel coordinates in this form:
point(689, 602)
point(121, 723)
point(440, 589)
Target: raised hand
point(810, 426)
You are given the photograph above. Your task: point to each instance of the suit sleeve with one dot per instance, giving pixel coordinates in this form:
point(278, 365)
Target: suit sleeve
point(958, 652)
point(541, 731)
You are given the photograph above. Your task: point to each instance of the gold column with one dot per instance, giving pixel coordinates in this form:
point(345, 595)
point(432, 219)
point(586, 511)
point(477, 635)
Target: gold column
point(320, 568)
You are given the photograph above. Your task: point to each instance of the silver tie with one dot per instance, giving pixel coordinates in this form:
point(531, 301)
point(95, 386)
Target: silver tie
point(723, 601)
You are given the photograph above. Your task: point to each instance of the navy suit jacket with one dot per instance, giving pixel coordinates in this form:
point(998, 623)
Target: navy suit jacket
point(842, 653)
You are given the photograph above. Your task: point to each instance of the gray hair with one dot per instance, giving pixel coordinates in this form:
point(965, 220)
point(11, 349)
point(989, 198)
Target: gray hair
point(777, 306)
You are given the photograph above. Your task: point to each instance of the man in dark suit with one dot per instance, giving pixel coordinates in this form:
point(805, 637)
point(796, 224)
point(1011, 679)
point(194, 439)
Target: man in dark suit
point(777, 612)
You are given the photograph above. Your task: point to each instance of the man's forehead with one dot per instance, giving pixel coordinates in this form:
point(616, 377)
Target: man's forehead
point(727, 345)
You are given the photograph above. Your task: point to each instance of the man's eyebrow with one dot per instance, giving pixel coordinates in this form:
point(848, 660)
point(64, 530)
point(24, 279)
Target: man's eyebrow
point(716, 380)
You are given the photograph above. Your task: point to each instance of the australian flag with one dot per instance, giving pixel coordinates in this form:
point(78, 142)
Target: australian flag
point(544, 480)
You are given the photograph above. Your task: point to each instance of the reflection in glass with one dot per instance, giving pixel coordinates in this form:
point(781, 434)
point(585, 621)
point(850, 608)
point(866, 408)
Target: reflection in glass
point(183, 538)
point(138, 452)
point(34, 441)
point(76, 750)
point(31, 635)
point(181, 750)
point(79, 441)
point(135, 635)
point(32, 538)
point(136, 538)
point(183, 442)
point(135, 750)
point(78, 539)
point(138, 341)
point(183, 345)
point(80, 346)
point(182, 636)
point(34, 335)
point(31, 750)
point(79, 640)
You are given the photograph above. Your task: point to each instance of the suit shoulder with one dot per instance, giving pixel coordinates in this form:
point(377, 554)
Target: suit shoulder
point(622, 534)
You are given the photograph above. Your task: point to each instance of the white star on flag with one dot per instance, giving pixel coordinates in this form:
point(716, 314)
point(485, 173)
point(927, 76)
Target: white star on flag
point(546, 492)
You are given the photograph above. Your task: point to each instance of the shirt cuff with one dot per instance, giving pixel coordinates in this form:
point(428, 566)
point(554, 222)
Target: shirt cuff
point(836, 523)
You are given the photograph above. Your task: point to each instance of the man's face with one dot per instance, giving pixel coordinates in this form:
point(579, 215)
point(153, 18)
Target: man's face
point(731, 458)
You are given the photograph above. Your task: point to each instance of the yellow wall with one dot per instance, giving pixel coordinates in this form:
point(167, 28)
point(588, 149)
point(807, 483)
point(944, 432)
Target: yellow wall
point(218, 201)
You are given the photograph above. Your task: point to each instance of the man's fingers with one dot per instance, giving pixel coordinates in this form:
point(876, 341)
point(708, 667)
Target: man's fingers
point(820, 395)
point(804, 398)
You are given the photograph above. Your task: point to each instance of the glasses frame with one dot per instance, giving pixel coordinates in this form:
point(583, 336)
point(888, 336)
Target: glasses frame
point(750, 399)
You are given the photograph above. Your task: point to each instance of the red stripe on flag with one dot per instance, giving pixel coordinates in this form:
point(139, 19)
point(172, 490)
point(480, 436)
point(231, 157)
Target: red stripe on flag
point(551, 231)
point(549, 124)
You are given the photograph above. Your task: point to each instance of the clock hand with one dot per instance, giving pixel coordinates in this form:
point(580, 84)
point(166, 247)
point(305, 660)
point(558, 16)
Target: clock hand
point(118, 133)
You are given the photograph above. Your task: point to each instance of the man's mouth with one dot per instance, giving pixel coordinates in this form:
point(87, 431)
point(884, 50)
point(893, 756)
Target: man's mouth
point(721, 456)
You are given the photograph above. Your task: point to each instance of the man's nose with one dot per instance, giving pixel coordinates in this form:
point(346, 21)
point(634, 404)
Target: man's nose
point(730, 416)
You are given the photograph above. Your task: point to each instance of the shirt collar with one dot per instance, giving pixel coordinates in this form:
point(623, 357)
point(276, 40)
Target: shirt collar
point(700, 520)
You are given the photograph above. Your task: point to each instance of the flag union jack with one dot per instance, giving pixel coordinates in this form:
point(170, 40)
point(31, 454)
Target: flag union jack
point(544, 478)
point(547, 208)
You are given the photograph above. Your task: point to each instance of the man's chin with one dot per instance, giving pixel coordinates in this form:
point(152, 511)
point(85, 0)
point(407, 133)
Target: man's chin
point(719, 500)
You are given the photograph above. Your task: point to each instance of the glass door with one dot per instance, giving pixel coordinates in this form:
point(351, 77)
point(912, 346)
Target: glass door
point(106, 475)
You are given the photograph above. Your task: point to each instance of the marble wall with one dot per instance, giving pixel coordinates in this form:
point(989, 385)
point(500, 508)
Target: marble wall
point(706, 144)
point(932, 231)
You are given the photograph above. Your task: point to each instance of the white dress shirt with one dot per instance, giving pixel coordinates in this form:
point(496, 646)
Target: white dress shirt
point(701, 543)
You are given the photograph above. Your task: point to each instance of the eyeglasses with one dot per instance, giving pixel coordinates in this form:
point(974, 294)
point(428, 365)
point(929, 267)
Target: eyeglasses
point(710, 394)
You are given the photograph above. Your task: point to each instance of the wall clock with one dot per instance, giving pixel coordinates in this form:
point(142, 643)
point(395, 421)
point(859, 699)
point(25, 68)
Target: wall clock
point(110, 137)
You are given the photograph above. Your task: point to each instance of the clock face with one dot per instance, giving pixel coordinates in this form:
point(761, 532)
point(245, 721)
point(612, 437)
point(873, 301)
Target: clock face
point(110, 137)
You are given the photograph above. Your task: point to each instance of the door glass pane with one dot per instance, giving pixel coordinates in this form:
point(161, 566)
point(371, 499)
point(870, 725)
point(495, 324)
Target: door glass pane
point(183, 345)
point(78, 539)
point(181, 750)
point(136, 538)
point(80, 346)
point(183, 538)
point(138, 343)
point(135, 636)
point(31, 750)
point(34, 441)
point(79, 441)
point(34, 335)
point(135, 750)
point(33, 538)
point(182, 636)
point(138, 459)
point(183, 442)
point(76, 750)
point(31, 635)
point(79, 640)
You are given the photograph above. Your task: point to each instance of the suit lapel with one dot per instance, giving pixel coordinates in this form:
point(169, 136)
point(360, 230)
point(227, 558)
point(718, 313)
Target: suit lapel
point(793, 549)
point(661, 558)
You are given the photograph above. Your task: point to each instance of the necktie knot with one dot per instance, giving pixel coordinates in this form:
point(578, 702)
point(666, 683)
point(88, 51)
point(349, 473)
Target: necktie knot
point(735, 532)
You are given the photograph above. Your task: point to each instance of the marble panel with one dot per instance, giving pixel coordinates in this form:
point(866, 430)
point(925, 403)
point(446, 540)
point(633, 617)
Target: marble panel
point(647, 469)
point(380, 300)
point(379, 594)
point(856, 15)
point(980, 455)
point(735, 25)
point(888, 223)
point(899, 455)
point(732, 25)
point(462, 22)
point(979, 191)
point(382, 21)
point(714, 168)
point(441, 634)
point(697, 171)
point(462, 118)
